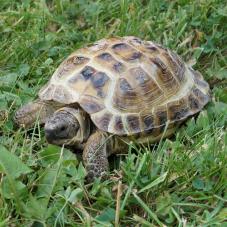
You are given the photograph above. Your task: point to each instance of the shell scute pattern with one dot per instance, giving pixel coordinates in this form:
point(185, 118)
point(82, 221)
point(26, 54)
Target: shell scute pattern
point(125, 88)
point(194, 103)
point(103, 121)
point(111, 63)
point(198, 78)
point(118, 67)
point(70, 64)
point(91, 104)
point(162, 117)
point(118, 125)
point(126, 52)
point(105, 57)
point(129, 86)
point(144, 85)
point(133, 124)
point(141, 77)
point(176, 65)
point(98, 46)
point(164, 76)
point(147, 123)
point(178, 110)
point(99, 79)
point(87, 72)
point(200, 95)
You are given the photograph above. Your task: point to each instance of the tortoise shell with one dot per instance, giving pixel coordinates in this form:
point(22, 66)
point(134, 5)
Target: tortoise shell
point(128, 86)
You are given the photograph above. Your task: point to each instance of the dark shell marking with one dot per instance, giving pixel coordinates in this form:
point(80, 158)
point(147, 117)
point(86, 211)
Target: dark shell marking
point(125, 88)
point(120, 46)
point(107, 59)
point(126, 52)
point(178, 110)
point(133, 56)
point(194, 103)
point(87, 72)
point(124, 85)
point(199, 94)
point(118, 67)
point(199, 79)
point(180, 114)
point(152, 48)
point(140, 76)
point(145, 85)
point(137, 40)
point(133, 124)
point(148, 123)
point(201, 83)
point(118, 125)
point(99, 79)
point(91, 104)
point(162, 117)
point(160, 64)
point(100, 93)
point(78, 60)
point(70, 63)
point(164, 75)
point(103, 121)
point(177, 67)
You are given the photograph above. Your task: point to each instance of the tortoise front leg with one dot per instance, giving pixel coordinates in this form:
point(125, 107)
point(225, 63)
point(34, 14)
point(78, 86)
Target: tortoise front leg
point(26, 116)
point(95, 155)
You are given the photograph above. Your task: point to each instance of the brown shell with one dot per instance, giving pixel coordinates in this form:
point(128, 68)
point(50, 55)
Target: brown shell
point(129, 86)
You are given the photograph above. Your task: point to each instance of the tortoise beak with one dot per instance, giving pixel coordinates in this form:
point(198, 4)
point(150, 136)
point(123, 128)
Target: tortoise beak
point(50, 135)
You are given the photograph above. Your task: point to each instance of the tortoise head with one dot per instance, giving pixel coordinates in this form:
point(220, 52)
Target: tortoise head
point(67, 126)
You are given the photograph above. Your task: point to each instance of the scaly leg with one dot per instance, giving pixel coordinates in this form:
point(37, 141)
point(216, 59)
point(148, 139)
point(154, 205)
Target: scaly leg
point(26, 116)
point(96, 151)
point(95, 155)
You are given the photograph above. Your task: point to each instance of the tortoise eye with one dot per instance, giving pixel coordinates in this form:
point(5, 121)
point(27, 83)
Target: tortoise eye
point(62, 128)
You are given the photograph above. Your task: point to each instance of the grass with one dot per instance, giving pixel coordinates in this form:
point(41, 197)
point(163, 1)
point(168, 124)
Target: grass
point(177, 182)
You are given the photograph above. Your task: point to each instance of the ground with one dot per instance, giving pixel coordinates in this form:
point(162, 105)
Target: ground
point(180, 181)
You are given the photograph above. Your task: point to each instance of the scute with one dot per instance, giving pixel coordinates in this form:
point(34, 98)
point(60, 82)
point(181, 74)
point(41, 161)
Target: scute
point(102, 121)
point(118, 125)
point(147, 123)
point(129, 86)
point(133, 123)
point(88, 72)
point(91, 104)
point(178, 110)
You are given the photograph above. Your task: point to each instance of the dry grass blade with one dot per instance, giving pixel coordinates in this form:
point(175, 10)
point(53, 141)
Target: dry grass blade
point(118, 203)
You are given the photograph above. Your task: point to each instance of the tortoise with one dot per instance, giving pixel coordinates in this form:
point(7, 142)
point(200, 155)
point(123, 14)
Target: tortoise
point(115, 91)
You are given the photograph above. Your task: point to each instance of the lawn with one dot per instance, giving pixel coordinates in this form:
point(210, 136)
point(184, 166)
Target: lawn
point(181, 181)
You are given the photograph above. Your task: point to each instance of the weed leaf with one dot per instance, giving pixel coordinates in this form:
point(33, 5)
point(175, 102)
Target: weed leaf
point(10, 164)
